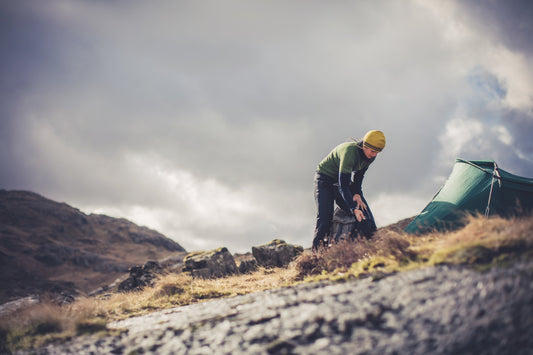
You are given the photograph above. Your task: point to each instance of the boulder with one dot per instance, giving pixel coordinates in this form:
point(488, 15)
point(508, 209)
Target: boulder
point(140, 277)
point(277, 253)
point(210, 264)
point(248, 265)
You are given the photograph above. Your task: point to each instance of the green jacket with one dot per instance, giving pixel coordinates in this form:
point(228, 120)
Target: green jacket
point(345, 158)
point(340, 163)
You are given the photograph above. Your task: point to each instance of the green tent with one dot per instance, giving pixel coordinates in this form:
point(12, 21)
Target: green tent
point(477, 186)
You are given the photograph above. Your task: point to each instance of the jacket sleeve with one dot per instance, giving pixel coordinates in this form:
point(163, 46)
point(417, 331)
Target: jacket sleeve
point(344, 189)
point(357, 182)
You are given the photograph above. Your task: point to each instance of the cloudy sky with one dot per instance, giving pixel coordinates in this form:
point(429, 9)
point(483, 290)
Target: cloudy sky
point(205, 120)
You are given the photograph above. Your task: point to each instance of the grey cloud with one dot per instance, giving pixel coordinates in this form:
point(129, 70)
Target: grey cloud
point(520, 125)
point(249, 94)
point(509, 21)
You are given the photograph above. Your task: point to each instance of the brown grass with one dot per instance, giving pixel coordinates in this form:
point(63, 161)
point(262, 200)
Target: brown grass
point(181, 289)
point(484, 242)
point(43, 323)
point(385, 245)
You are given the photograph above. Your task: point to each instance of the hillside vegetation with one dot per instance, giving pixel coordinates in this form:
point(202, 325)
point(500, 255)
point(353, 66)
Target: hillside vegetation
point(46, 246)
point(483, 243)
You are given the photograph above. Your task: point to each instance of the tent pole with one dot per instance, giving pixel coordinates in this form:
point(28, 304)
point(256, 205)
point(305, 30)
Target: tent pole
point(494, 172)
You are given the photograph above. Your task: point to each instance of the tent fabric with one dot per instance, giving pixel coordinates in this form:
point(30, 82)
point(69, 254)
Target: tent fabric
point(476, 186)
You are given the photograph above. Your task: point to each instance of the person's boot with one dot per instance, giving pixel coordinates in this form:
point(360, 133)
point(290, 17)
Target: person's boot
point(319, 243)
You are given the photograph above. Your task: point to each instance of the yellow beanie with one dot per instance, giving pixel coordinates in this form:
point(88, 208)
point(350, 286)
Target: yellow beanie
point(374, 140)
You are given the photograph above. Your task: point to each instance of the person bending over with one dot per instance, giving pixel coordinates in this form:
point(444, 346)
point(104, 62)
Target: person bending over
point(339, 177)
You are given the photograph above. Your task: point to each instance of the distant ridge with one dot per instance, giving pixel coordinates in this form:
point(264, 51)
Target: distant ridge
point(47, 247)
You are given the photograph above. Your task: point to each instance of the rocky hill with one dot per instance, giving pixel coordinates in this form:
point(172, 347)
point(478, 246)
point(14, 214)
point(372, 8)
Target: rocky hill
point(51, 247)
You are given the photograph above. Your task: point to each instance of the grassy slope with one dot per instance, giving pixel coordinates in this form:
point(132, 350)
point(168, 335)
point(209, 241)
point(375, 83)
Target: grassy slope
point(482, 243)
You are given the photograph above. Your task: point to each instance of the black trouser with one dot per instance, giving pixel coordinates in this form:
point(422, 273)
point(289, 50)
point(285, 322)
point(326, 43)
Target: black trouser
point(326, 194)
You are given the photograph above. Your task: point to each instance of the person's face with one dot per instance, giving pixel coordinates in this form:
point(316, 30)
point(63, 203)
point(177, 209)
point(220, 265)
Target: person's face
point(370, 153)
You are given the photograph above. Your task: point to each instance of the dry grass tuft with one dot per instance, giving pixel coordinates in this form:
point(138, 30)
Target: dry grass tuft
point(481, 242)
point(341, 256)
point(38, 324)
point(181, 289)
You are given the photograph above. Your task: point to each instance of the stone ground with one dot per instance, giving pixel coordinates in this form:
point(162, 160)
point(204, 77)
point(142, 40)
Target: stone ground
point(440, 310)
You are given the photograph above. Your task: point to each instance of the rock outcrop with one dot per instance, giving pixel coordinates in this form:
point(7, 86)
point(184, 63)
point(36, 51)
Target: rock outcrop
point(209, 264)
point(277, 253)
point(219, 262)
point(248, 265)
point(140, 277)
point(437, 310)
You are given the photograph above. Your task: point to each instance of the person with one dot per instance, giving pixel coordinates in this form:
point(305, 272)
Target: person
point(339, 178)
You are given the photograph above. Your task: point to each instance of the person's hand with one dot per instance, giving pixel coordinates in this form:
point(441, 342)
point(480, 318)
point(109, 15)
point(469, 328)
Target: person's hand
point(360, 204)
point(359, 215)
